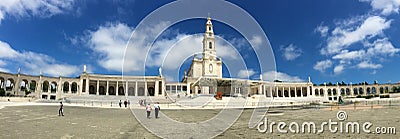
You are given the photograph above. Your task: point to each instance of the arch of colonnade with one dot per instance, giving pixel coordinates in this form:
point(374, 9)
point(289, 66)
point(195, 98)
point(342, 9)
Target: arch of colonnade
point(354, 90)
point(19, 84)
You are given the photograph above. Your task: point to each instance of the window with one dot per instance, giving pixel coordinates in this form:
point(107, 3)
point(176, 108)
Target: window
point(210, 45)
point(211, 68)
point(209, 28)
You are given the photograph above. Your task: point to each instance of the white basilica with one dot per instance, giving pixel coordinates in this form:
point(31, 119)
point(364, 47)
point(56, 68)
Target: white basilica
point(203, 77)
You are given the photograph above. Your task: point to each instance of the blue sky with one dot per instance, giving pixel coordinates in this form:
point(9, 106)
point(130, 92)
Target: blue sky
point(330, 40)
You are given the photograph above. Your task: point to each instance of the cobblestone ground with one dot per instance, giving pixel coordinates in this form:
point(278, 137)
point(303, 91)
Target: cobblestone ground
point(84, 122)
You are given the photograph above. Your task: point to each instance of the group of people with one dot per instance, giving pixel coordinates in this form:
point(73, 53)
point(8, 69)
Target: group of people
point(142, 102)
point(126, 103)
point(156, 110)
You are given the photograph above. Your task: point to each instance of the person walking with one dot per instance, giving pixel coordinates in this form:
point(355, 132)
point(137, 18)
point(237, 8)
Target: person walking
point(156, 109)
point(148, 110)
point(61, 110)
point(120, 103)
point(125, 103)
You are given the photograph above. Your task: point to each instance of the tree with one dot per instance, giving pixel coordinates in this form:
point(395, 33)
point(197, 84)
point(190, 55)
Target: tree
point(66, 87)
point(45, 86)
point(2, 92)
point(32, 86)
point(394, 89)
point(74, 87)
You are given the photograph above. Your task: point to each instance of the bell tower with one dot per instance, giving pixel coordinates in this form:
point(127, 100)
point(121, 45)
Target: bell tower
point(209, 41)
point(211, 63)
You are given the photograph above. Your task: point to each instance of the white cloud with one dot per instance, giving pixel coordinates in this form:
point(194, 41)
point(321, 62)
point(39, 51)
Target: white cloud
point(2, 63)
point(346, 55)
point(109, 42)
point(6, 51)
point(386, 7)
point(343, 36)
point(323, 30)
point(322, 65)
point(246, 74)
point(256, 41)
point(368, 65)
point(32, 63)
point(291, 52)
point(338, 69)
point(27, 8)
point(274, 75)
point(382, 47)
point(4, 70)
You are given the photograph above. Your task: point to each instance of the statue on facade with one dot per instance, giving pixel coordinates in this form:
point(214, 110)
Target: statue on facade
point(160, 71)
point(84, 68)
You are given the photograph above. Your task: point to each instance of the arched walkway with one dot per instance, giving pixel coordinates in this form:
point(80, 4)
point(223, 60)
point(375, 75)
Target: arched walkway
point(286, 93)
point(9, 84)
point(23, 85)
point(74, 87)
point(141, 91)
point(66, 87)
point(151, 91)
point(111, 90)
point(53, 87)
point(45, 86)
point(292, 94)
point(92, 91)
point(32, 86)
point(121, 91)
point(131, 91)
point(102, 90)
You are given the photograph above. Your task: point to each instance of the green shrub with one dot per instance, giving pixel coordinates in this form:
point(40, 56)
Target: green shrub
point(2, 92)
point(369, 96)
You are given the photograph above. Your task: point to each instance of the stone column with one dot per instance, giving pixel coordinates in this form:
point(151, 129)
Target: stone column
point(188, 88)
point(156, 88)
point(97, 87)
point(126, 88)
point(351, 90)
point(301, 91)
point(116, 88)
point(260, 89)
point(136, 89)
point(263, 90)
point(295, 91)
point(69, 88)
point(146, 93)
point(107, 88)
point(163, 87)
point(87, 86)
point(270, 90)
point(309, 91)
